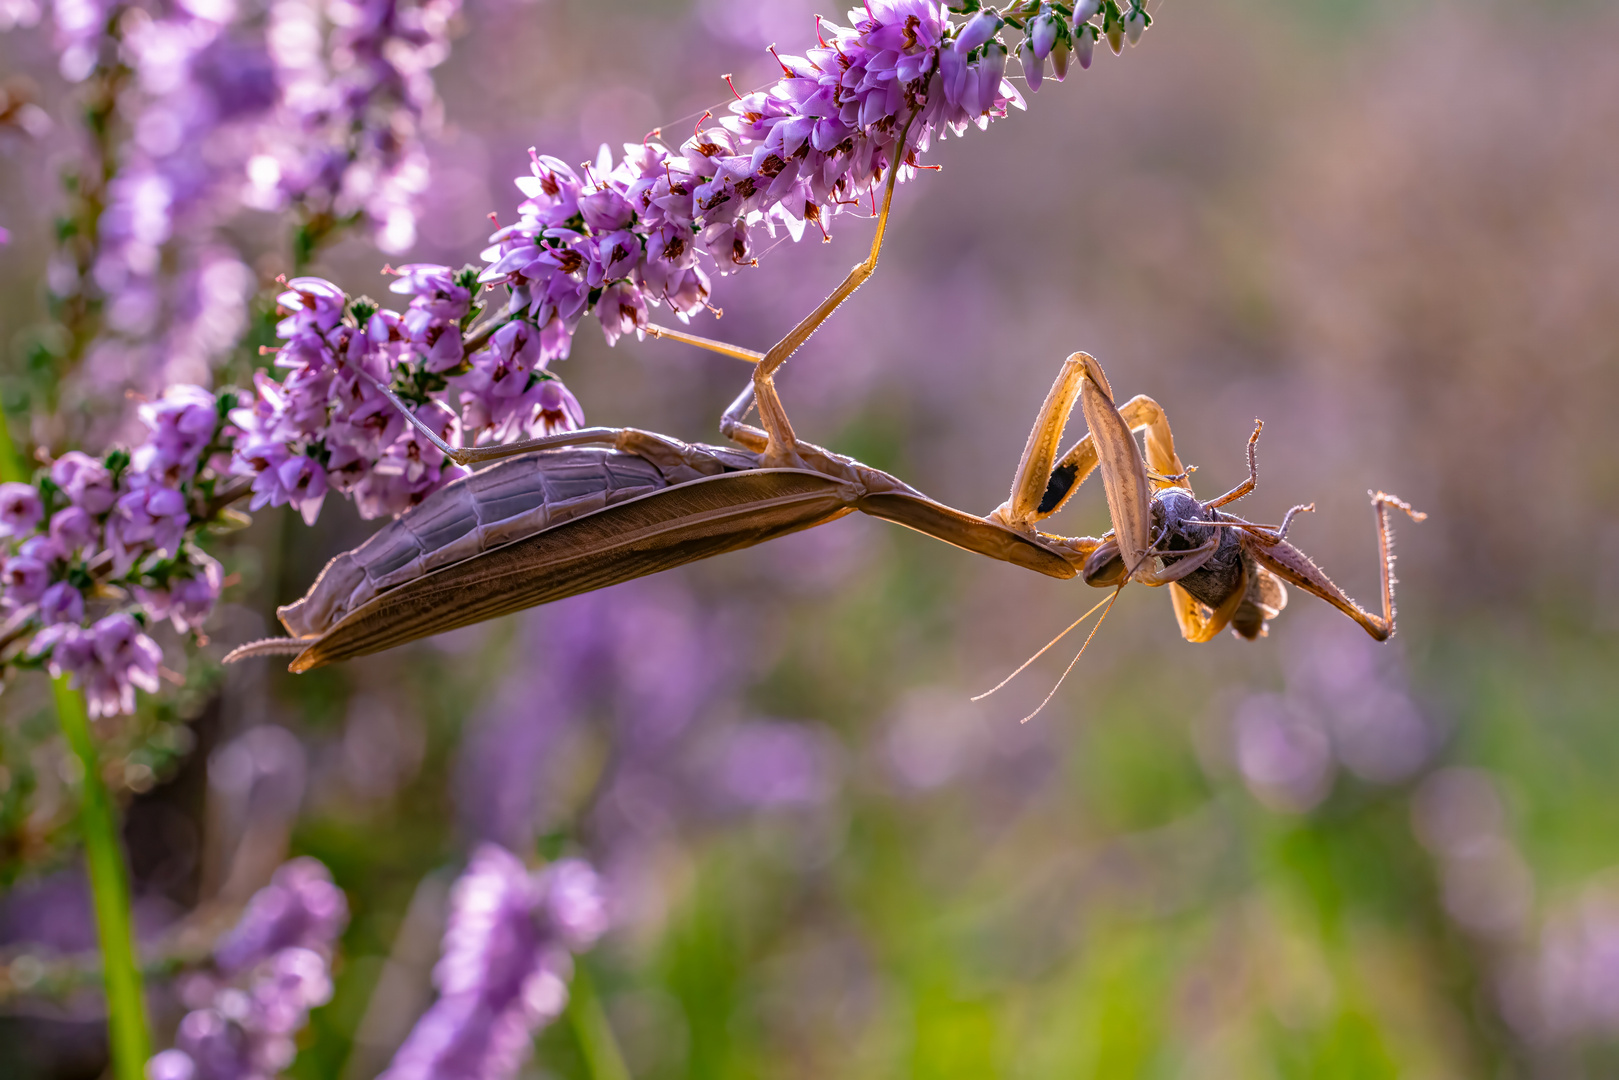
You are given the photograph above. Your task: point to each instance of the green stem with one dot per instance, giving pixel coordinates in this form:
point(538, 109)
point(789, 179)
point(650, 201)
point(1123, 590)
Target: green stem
point(602, 1055)
point(109, 885)
point(127, 1033)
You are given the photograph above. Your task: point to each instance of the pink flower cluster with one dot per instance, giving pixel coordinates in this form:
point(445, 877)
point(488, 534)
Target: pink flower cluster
point(283, 943)
point(93, 536)
point(631, 236)
point(505, 966)
point(326, 425)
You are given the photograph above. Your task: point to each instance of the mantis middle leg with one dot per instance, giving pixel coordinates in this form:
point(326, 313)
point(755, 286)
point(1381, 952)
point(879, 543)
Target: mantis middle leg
point(775, 438)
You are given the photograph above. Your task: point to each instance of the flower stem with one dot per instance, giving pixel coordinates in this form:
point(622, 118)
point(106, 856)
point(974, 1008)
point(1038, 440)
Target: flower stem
point(603, 1058)
point(127, 1033)
point(131, 1044)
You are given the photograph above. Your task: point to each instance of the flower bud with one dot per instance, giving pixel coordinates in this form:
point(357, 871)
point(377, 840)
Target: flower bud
point(979, 29)
point(1085, 10)
point(1059, 60)
point(1043, 35)
point(1135, 23)
point(1085, 45)
point(1034, 68)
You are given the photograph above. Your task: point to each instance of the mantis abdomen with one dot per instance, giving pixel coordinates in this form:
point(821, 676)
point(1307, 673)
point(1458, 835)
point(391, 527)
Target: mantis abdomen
point(507, 501)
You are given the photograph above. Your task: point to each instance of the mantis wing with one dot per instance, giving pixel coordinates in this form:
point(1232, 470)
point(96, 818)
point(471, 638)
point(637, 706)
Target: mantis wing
point(632, 539)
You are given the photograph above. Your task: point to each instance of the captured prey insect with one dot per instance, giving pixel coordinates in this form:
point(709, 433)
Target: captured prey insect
point(571, 513)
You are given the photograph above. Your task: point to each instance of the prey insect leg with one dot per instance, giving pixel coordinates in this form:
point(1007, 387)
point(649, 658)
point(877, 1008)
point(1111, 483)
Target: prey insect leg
point(1248, 485)
point(1292, 565)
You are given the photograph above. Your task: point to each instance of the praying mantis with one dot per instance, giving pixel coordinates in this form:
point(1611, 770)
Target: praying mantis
point(565, 514)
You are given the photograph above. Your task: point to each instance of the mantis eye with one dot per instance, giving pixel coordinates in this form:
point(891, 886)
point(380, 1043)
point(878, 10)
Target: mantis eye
point(1105, 568)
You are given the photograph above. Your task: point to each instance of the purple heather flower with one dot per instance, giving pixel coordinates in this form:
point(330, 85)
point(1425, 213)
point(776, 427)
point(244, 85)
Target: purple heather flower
point(106, 661)
point(152, 517)
point(188, 601)
point(1034, 67)
point(216, 1046)
point(62, 603)
point(1085, 44)
point(355, 103)
point(23, 580)
point(629, 235)
point(281, 943)
point(435, 290)
point(85, 480)
point(313, 303)
point(505, 966)
point(73, 530)
point(559, 410)
point(42, 548)
point(171, 1065)
point(72, 649)
point(182, 423)
point(300, 908)
point(622, 309)
point(1043, 34)
point(818, 140)
point(124, 658)
point(301, 482)
point(20, 509)
point(294, 981)
point(574, 902)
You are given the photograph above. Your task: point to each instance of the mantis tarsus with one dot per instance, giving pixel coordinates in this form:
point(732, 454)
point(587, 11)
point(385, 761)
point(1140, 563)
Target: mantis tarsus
point(570, 513)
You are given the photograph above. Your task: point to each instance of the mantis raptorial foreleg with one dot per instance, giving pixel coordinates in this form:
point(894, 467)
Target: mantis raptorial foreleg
point(1041, 488)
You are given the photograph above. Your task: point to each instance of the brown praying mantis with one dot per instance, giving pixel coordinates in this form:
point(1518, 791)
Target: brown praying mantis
point(570, 513)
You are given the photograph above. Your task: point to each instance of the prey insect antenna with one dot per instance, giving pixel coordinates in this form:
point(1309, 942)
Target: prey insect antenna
point(1077, 655)
point(1043, 651)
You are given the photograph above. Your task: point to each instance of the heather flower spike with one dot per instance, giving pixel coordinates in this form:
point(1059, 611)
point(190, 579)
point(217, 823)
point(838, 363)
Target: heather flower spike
point(505, 966)
point(269, 971)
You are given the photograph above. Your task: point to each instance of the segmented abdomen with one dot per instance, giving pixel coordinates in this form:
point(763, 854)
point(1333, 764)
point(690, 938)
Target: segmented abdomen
point(507, 501)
